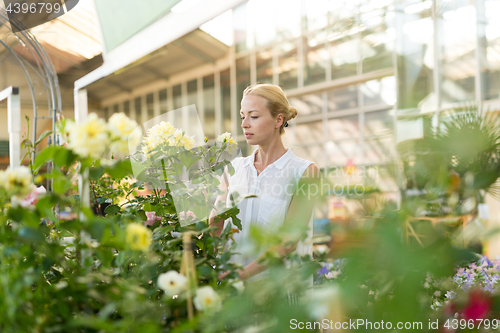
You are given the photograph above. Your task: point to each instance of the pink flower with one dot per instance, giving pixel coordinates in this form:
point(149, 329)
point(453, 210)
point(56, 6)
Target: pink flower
point(185, 215)
point(32, 198)
point(152, 218)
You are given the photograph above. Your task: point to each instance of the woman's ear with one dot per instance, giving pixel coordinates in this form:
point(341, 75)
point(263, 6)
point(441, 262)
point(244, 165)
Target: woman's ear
point(279, 121)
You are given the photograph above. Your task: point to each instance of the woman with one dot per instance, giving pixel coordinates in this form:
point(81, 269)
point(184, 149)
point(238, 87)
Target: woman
point(273, 176)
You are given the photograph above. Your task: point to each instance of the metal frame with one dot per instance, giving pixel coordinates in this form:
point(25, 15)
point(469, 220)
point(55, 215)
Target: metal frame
point(11, 94)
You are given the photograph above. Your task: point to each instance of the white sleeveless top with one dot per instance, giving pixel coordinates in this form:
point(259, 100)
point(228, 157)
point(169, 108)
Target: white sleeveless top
point(273, 189)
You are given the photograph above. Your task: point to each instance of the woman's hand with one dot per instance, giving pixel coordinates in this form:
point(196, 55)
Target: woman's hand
point(240, 273)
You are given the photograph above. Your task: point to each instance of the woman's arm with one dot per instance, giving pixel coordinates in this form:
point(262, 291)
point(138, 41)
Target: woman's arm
point(219, 223)
point(299, 213)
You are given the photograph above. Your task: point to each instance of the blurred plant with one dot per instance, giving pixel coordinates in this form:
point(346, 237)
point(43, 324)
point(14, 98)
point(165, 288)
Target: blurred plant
point(454, 163)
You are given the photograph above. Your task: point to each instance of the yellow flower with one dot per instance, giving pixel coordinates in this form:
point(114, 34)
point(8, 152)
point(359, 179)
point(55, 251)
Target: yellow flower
point(123, 134)
point(181, 140)
point(90, 138)
point(226, 138)
point(158, 134)
point(138, 237)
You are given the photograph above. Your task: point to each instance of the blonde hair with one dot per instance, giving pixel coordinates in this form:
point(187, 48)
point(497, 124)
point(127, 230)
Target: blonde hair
point(276, 101)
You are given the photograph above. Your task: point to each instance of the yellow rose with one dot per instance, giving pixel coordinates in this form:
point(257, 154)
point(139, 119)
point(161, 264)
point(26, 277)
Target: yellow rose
point(123, 134)
point(90, 138)
point(138, 237)
point(181, 140)
point(158, 134)
point(226, 138)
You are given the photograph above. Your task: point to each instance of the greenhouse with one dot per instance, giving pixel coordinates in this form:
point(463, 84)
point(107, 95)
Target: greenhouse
point(249, 165)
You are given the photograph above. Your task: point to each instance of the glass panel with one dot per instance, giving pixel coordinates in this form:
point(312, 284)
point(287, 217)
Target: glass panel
point(137, 107)
point(377, 43)
point(316, 17)
point(343, 98)
point(310, 132)
point(192, 88)
point(315, 59)
point(150, 106)
point(415, 33)
point(343, 128)
point(379, 150)
point(242, 81)
point(307, 104)
point(344, 53)
point(209, 105)
point(163, 101)
point(240, 28)
point(264, 60)
point(245, 148)
point(126, 108)
point(288, 65)
point(489, 41)
point(381, 91)
point(458, 44)
point(342, 12)
point(225, 91)
point(288, 16)
point(192, 98)
point(315, 153)
point(177, 98)
point(379, 123)
point(263, 21)
point(339, 153)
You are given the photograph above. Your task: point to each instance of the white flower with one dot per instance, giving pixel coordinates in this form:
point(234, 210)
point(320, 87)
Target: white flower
point(450, 294)
point(321, 249)
point(239, 285)
point(90, 138)
point(123, 134)
point(426, 285)
point(158, 134)
point(226, 138)
point(172, 282)
point(437, 293)
point(17, 181)
point(322, 302)
point(206, 298)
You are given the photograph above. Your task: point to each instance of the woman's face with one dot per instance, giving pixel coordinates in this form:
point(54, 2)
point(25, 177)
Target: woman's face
point(257, 123)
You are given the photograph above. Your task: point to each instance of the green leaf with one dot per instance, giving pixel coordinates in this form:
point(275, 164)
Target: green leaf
point(63, 157)
point(112, 209)
point(119, 170)
point(31, 235)
point(42, 136)
point(96, 173)
point(44, 156)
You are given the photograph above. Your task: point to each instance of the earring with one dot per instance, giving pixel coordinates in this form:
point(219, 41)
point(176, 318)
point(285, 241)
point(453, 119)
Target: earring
point(286, 124)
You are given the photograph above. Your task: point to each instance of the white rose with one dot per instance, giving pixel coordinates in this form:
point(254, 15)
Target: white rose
point(239, 285)
point(17, 181)
point(90, 138)
point(172, 282)
point(123, 134)
point(206, 298)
